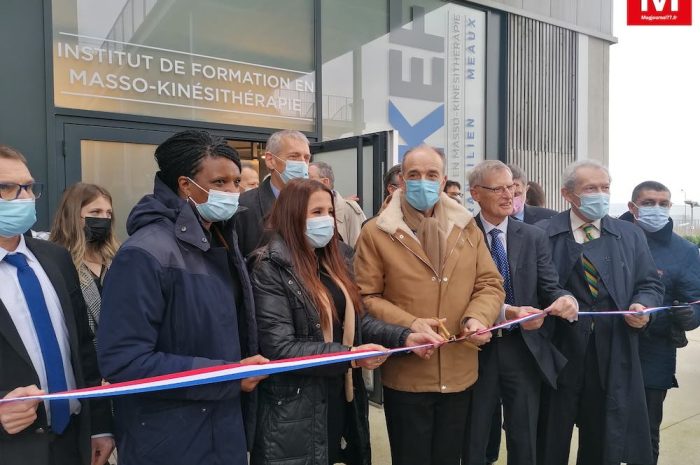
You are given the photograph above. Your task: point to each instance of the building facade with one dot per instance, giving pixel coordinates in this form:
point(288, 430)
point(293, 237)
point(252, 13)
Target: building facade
point(88, 89)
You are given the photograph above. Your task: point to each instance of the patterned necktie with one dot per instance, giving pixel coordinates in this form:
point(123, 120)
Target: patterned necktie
point(498, 252)
point(589, 271)
point(48, 343)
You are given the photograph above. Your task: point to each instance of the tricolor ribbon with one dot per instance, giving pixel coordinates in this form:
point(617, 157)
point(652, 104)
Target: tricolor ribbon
point(237, 371)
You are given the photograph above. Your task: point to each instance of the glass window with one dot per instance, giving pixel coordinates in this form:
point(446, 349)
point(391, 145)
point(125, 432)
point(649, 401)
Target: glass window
point(126, 170)
point(230, 62)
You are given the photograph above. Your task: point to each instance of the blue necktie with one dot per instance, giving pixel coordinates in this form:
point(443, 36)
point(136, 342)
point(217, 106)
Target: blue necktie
point(50, 350)
point(501, 258)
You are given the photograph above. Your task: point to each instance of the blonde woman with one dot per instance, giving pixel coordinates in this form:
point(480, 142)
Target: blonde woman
point(83, 225)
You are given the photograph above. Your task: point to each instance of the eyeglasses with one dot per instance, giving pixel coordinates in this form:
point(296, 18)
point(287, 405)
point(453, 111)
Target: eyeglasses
point(12, 191)
point(459, 195)
point(500, 190)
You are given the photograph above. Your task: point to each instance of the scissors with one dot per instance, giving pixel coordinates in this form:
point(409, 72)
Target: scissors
point(442, 331)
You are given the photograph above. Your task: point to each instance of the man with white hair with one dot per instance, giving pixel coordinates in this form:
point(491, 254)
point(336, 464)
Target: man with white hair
point(348, 214)
point(607, 265)
point(287, 157)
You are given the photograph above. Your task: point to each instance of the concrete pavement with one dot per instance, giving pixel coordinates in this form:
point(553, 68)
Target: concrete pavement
point(680, 430)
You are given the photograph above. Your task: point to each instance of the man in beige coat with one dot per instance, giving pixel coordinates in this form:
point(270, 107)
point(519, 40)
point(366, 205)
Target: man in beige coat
point(420, 263)
point(348, 214)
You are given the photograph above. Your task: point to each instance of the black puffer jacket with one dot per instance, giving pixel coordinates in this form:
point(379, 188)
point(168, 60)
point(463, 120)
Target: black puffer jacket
point(292, 414)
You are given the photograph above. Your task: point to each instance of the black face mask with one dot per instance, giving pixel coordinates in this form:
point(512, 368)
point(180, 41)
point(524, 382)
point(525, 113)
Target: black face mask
point(97, 229)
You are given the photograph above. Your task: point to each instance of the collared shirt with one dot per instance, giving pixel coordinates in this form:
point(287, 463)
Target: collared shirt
point(503, 226)
point(12, 297)
point(520, 216)
point(275, 191)
point(577, 225)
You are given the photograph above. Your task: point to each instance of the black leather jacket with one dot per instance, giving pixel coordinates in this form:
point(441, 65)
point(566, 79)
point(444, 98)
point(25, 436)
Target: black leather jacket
point(292, 413)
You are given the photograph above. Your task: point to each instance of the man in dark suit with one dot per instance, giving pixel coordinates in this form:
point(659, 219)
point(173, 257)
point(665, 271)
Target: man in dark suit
point(517, 360)
point(287, 156)
point(45, 339)
point(607, 265)
point(521, 211)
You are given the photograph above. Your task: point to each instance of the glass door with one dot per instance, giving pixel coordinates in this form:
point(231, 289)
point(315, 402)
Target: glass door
point(118, 159)
point(358, 164)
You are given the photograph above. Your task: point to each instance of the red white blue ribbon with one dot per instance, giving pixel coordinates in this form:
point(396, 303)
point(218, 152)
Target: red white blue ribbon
point(217, 374)
point(237, 371)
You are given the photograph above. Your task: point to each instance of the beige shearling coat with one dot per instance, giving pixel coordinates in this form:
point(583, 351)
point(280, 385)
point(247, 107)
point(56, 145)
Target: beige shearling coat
point(398, 285)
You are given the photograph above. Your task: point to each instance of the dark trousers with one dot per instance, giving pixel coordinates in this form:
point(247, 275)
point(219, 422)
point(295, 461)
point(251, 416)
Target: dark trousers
point(507, 372)
point(655, 407)
point(43, 448)
point(425, 428)
point(494, 446)
point(580, 403)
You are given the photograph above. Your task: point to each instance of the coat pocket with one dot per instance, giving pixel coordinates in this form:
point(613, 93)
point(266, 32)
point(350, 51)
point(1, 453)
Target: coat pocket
point(285, 432)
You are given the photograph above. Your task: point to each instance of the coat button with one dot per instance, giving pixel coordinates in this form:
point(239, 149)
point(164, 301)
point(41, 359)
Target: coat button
point(318, 325)
point(143, 423)
point(299, 292)
point(40, 431)
point(443, 387)
point(400, 236)
point(444, 279)
point(279, 402)
point(433, 278)
point(204, 240)
point(204, 410)
point(183, 229)
point(290, 282)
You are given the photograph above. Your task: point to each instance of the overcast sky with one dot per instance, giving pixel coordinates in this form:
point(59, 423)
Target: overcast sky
point(655, 107)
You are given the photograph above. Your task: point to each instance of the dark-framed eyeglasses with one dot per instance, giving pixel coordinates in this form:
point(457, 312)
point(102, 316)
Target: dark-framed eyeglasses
point(12, 191)
point(500, 190)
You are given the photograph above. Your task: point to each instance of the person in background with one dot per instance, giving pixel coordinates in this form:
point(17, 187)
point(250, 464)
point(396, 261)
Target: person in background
point(678, 266)
point(348, 214)
point(45, 339)
point(178, 297)
point(391, 180)
point(423, 263)
point(453, 189)
point(83, 224)
point(307, 304)
point(287, 157)
point(534, 195)
point(606, 264)
point(521, 211)
point(250, 179)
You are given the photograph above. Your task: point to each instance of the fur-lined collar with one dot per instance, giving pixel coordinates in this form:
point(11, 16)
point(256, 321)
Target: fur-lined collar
point(391, 218)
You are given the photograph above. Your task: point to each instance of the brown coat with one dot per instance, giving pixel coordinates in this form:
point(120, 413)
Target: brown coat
point(399, 285)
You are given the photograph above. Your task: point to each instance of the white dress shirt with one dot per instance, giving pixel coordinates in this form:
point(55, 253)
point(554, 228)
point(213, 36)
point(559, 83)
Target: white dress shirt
point(577, 225)
point(12, 297)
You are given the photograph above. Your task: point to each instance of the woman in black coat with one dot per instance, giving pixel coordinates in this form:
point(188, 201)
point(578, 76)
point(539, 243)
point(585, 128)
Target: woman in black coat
point(307, 304)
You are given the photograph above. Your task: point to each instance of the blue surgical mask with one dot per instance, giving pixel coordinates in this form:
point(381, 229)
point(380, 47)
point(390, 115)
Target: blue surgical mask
point(653, 219)
point(320, 230)
point(422, 194)
point(220, 205)
point(594, 206)
point(293, 169)
point(16, 216)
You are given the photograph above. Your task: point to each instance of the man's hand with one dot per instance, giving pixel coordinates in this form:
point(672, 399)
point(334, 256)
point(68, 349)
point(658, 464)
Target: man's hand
point(418, 339)
point(473, 324)
point(248, 384)
point(637, 321)
point(513, 313)
point(564, 307)
point(372, 362)
point(16, 416)
point(426, 325)
point(102, 448)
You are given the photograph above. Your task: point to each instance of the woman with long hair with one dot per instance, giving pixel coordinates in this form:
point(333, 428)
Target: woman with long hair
point(308, 304)
point(84, 225)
